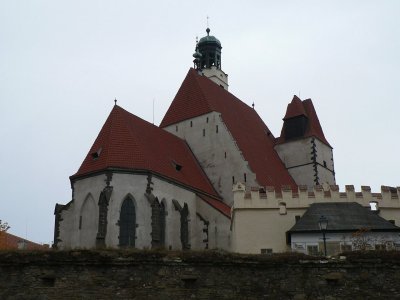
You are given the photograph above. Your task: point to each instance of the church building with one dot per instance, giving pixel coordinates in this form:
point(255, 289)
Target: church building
point(170, 186)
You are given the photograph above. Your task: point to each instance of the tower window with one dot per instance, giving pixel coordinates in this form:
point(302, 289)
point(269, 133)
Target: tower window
point(245, 177)
point(207, 120)
point(325, 164)
point(176, 128)
point(216, 128)
point(225, 154)
point(204, 132)
point(233, 179)
point(191, 124)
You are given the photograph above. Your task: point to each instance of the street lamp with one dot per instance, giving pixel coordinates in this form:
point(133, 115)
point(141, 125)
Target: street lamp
point(323, 225)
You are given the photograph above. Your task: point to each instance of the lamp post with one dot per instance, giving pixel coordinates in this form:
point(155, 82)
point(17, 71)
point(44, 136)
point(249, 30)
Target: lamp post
point(323, 225)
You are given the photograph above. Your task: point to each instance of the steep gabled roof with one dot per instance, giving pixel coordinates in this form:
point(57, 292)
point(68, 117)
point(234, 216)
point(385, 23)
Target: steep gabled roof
point(297, 108)
point(342, 216)
point(198, 95)
point(129, 143)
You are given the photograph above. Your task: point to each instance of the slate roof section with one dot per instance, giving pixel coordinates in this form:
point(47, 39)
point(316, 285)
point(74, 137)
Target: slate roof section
point(306, 107)
point(198, 95)
point(130, 143)
point(341, 216)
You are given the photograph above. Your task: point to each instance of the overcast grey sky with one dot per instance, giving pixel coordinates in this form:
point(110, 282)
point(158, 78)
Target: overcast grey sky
point(62, 63)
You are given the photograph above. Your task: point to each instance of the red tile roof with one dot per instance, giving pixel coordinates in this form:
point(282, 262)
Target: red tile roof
point(130, 143)
point(198, 95)
point(295, 108)
point(298, 107)
point(218, 205)
point(10, 241)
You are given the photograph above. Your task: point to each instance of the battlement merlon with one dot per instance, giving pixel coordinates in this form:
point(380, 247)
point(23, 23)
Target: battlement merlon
point(268, 197)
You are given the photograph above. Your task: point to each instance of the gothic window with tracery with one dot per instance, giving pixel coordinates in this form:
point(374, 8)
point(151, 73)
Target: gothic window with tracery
point(127, 224)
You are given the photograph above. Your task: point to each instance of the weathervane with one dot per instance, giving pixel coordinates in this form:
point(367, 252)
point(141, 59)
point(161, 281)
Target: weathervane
point(115, 101)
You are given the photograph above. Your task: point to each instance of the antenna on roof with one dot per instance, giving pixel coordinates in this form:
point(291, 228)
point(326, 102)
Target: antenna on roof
point(115, 101)
point(253, 105)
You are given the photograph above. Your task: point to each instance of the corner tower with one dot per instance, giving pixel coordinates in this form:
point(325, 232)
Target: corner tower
point(207, 59)
point(303, 147)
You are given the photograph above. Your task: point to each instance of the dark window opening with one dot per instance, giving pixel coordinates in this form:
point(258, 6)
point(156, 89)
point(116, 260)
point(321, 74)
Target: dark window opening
point(233, 179)
point(176, 128)
point(325, 164)
point(245, 177)
point(207, 119)
point(225, 154)
point(177, 166)
point(127, 224)
point(312, 250)
point(95, 155)
point(295, 127)
point(266, 251)
point(216, 129)
point(80, 222)
point(191, 124)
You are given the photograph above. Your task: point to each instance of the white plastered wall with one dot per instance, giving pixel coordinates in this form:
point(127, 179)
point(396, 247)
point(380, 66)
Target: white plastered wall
point(218, 227)
point(70, 234)
point(259, 223)
point(210, 152)
point(134, 186)
point(297, 157)
point(217, 76)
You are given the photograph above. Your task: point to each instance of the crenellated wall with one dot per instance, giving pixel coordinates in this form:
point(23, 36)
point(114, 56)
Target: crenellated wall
point(262, 216)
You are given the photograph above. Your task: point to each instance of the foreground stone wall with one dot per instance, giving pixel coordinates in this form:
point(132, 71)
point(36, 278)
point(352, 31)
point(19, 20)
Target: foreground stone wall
point(194, 275)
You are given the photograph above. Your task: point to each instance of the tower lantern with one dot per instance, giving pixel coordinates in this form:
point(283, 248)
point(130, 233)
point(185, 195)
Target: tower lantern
point(207, 59)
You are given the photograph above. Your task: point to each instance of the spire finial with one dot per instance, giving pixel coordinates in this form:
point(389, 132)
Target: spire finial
point(208, 26)
point(115, 101)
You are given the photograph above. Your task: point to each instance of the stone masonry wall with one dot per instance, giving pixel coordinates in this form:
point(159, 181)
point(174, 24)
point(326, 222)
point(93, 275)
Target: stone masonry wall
point(193, 275)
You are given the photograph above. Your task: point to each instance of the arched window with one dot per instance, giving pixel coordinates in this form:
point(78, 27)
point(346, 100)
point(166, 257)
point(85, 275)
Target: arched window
point(88, 223)
point(127, 224)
